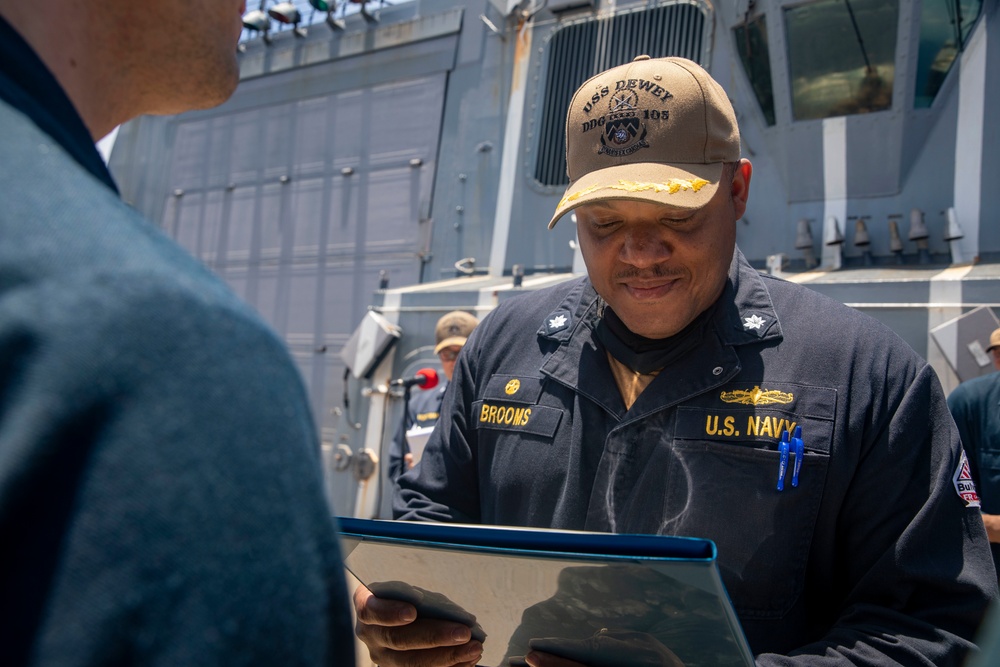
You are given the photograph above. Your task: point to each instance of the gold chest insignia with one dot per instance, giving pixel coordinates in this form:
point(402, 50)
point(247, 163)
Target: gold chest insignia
point(756, 396)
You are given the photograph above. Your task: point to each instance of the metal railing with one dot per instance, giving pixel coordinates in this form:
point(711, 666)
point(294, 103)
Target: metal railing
point(310, 15)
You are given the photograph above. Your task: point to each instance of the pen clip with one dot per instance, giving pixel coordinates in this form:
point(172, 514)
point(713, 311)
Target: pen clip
point(799, 448)
point(782, 460)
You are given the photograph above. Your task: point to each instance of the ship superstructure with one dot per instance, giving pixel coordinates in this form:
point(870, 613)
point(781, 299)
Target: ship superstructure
point(381, 164)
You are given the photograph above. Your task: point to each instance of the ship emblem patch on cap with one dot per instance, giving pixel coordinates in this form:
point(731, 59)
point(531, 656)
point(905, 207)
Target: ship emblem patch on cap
point(622, 126)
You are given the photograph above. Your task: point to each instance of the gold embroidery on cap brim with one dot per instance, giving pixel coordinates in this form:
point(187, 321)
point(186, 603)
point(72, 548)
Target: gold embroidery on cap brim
point(673, 186)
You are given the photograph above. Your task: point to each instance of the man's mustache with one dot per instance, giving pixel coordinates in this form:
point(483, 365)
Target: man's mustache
point(655, 271)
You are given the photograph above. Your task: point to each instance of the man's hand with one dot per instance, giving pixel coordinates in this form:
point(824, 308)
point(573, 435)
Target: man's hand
point(408, 460)
point(395, 637)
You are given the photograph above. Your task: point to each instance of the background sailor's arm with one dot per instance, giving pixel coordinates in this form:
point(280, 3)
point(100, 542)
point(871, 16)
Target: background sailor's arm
point(445, 486)
point(992, 523)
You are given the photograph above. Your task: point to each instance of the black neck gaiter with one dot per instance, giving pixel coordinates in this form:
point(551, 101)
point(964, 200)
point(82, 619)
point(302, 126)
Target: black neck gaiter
point(645, 355)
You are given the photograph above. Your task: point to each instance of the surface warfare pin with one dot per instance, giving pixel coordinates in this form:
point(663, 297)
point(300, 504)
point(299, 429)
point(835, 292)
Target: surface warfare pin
point(964, 486)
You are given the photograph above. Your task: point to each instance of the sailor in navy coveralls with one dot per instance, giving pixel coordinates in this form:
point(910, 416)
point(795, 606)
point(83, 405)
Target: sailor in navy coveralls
point(676, 390)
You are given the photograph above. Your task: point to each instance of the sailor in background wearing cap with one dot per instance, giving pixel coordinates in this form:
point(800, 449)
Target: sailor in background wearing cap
point(975, 405)
point(423, 409)
point(676, 390)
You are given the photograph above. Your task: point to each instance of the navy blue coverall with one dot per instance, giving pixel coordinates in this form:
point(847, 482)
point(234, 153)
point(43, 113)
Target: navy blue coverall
point(875, 556)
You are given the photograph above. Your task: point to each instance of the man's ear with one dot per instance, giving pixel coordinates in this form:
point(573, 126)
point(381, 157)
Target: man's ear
point(740, 187)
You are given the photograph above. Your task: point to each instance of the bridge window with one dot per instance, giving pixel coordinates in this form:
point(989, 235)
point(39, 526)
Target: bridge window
point(944, 30)
point(841, 56)
point(751, 44)
point(581, 49)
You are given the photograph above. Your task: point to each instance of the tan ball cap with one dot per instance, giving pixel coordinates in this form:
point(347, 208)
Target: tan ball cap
point(656, 130)
point(453, 329)
point(994, 340)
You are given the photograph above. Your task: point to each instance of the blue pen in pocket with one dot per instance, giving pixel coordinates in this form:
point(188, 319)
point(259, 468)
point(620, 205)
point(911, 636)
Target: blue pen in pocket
point(799, 448)
point(782, 460)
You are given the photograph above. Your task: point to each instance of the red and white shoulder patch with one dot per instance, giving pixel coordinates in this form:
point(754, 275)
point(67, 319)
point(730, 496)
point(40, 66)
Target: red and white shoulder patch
point(964, 486)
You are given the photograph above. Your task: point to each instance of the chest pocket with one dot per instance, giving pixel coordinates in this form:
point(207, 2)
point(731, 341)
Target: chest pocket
point(510, 403)
point(724, 475)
